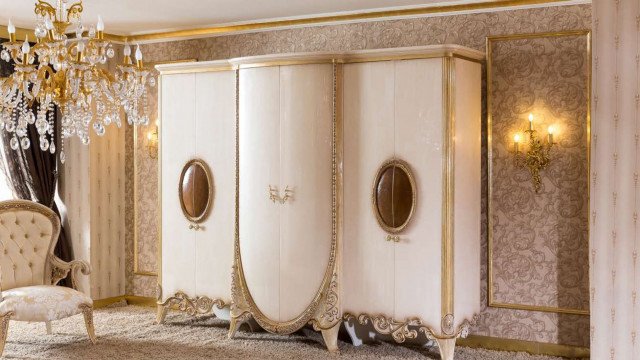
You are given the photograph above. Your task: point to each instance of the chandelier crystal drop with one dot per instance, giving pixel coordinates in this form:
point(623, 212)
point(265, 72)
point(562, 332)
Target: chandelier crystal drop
point(70, 76)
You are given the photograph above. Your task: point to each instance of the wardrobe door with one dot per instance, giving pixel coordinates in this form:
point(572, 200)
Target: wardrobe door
point(259, 147)
point(177, 148)
point(306, 104)
point(215, 145)
point(368, 269)
point(418, 141)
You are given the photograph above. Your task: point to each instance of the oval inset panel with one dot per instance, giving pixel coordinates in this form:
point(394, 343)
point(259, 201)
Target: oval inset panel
point(195, 190)
point(394, 195)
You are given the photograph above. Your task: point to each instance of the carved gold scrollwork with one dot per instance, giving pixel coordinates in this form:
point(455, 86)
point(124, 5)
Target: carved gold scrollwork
point(193, 306)
point(399, 330)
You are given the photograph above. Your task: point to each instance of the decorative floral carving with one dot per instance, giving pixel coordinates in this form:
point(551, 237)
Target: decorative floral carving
point(399, 330)
point(193, 306)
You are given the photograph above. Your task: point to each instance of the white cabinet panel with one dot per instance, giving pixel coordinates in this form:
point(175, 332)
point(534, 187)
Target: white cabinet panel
point(467, 199)
point(259, 147)
point(215, 144)
point(418, 141)
point(368, 260)
point(306, 112)
point(178, 132)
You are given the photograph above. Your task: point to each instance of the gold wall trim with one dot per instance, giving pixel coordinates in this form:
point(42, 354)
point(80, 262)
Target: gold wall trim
point(130, 299)
point(531, 347)
point(359, 16)
point(489, 41)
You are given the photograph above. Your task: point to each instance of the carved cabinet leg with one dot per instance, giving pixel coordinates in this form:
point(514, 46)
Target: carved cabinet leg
point(48, 325)
point(235, 323)
point(447, 347)
point(4, 328)
point(161, 313)
point(87, 312)
point(330, 337)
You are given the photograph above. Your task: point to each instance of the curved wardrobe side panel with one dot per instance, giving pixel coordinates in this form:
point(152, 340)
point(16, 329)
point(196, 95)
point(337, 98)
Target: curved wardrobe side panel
point(285, 154)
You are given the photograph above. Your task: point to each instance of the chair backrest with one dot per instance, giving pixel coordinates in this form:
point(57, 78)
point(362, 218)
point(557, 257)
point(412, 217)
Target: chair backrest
point(28, 233)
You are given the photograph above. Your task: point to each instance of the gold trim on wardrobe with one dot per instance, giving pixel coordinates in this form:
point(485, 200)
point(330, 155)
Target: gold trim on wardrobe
point(489, 41)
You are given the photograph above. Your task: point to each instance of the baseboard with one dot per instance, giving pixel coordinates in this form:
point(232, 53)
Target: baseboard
point(130, 299)
point(531, 347)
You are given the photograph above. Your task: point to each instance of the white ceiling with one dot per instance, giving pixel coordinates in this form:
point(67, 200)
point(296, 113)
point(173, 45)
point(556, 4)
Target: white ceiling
point(129, 17)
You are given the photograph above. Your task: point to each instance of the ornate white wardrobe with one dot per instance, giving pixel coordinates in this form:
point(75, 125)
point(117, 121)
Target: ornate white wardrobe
point(287, 241)
point(197, 174)
point(346, 190)
point(413, 122)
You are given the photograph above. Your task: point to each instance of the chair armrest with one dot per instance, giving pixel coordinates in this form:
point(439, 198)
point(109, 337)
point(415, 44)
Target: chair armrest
point(60, 269)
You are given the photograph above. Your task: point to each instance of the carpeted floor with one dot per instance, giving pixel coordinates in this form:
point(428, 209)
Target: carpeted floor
point(130, 333)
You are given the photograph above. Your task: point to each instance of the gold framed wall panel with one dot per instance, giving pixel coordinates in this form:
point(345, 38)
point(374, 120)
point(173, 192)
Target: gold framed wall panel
point(136, 263)
point(490, 273)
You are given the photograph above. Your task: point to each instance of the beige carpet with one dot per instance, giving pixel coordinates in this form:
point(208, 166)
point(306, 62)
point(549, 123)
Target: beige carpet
point(130, 333)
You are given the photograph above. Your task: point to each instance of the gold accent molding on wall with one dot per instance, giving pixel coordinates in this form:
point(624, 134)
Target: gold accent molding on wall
point(489, 41)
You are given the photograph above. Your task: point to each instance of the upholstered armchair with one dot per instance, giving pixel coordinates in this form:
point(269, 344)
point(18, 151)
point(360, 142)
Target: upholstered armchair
point(29, 270)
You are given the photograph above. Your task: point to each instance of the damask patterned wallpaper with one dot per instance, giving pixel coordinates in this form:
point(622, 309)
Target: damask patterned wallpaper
point(465, 29)
point(540, 239)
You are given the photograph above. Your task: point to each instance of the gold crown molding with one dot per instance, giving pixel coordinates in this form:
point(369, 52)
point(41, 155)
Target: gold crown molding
point(323, 20)
point(531, 347)
point(323, 310)
point(320, 20)
point(490, 291)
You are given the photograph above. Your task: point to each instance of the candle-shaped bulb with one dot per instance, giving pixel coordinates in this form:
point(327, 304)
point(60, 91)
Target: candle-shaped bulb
point(149, 135)
point(516, 142)
point(48, 24)
point(25, 46)
point(530, 122)
point(11, 28)
point(80, 46)
point(127, 50)
point(551, 130)
point(100, 25)
point(138, 53)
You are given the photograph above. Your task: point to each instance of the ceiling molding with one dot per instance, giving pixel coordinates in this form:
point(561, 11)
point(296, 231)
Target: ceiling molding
point(331, 19)
point(185, 34)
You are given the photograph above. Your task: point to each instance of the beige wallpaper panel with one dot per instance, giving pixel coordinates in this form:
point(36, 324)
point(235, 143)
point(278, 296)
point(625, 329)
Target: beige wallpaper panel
point(467, 29)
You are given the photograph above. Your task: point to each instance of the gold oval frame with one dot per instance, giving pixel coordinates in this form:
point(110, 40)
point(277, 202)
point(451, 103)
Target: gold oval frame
point(207, 209)
point(404, 166)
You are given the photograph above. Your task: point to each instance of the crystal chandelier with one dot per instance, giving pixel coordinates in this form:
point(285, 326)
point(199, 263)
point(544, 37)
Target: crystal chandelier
point(68, 75)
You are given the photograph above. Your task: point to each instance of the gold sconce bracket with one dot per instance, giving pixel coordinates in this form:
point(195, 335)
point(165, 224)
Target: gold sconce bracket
point(536, 158)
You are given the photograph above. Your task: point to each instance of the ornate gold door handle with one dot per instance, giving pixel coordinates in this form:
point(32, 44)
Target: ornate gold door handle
point(274, 194)
point(394, 238)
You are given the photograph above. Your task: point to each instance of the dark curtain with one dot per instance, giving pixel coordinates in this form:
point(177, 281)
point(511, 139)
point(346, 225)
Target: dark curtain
point(33, 175)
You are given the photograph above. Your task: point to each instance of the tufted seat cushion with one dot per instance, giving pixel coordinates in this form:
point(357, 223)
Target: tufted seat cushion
point(42, 302)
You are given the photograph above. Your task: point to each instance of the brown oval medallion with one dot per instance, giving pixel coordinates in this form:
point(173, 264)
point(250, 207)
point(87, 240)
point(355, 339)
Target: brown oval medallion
point(195, 190)
point(394, 195)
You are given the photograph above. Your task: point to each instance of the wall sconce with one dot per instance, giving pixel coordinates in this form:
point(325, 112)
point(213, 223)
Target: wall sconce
point(536, 158)
point(152, 142)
